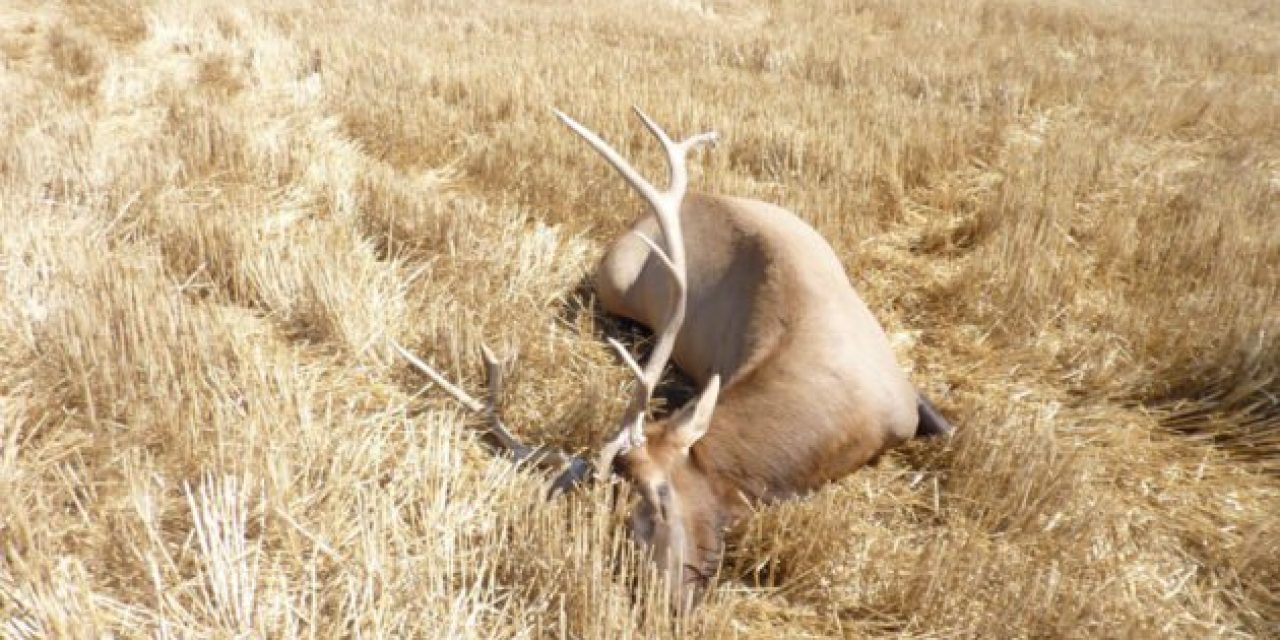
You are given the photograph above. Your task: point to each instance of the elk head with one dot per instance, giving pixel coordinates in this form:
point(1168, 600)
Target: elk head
point(679, 517)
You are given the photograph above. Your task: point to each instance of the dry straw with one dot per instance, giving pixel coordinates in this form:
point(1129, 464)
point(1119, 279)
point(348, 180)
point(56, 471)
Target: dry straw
point(214, 215)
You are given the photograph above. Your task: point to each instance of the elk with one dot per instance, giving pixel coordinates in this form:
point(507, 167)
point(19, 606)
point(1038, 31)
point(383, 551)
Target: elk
point(799, 386)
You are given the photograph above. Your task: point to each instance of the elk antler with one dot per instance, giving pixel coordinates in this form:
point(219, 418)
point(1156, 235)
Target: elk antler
point(575, 468)
point(666, 207)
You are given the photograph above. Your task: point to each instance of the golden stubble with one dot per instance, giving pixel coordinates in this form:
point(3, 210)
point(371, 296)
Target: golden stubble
point(214, 215)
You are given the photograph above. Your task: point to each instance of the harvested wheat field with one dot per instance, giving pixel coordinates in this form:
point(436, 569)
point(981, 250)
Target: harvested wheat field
point(216, 214)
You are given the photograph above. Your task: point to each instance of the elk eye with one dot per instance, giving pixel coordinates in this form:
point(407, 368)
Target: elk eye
point(657, 498)
point(664, 493)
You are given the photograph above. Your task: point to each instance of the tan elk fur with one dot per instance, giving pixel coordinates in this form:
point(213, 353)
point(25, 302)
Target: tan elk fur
point(798, 384)
point(809, 390)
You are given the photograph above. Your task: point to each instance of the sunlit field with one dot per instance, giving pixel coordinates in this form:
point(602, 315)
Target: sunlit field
point(216, 214)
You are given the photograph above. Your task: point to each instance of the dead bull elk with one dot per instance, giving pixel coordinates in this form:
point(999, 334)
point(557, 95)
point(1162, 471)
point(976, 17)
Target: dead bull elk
point(799, 385)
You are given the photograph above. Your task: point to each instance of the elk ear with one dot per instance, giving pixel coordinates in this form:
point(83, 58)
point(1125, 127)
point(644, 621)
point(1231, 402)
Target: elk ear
point(690, 427)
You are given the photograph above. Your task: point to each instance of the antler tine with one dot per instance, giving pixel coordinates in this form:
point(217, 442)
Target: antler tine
point(658, 251)
point(677, 173)
point(493, 375)
point(575, 468)
point(623, 167)
point(458, 394)
point(666, 207)
point(627, 359)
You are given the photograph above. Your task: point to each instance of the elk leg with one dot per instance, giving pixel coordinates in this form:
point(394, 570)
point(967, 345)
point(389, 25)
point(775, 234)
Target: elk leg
point(932, 423)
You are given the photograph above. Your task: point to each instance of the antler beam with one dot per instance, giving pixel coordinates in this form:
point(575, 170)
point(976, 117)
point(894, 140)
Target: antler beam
point(666, 207)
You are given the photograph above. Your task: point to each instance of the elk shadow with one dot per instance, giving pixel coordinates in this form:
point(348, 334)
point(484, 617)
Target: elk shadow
point(675, 389)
